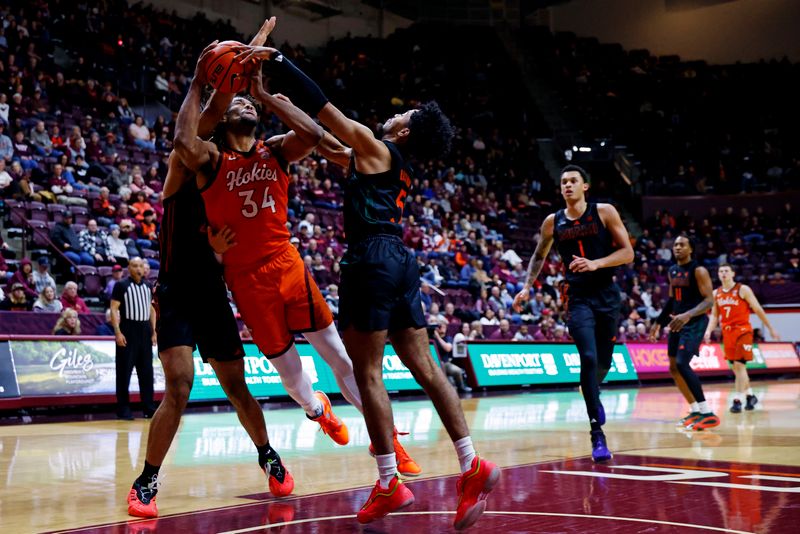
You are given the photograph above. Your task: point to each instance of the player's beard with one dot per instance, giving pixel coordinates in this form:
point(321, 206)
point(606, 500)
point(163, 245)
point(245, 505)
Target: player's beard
point(243, 126)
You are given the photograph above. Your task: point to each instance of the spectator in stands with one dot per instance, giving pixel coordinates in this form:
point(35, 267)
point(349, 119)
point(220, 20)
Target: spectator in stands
point(141, 205)
point(149, 229)
point(23, 151)
point(68, 324)
point(523, 334)
point(332, 298)
point(47, 301)
point(476, 331)
point(4, 274)
point(94, 242)
point(6, 145)
point(16, 300)
point(107, 328)
point(116, 276)
point(120, 179)
point(138, 184)
point(76, 144)
point(306, 226)
point(66, 240)
point(503, 333)
point(5, 178)
point(140, 134)
point(70, 298)
point(40, 139)
point(460, 344)
point(444, 347)
point(24, 277)
point(41, 276)
point(102, 207)
point(120, 248)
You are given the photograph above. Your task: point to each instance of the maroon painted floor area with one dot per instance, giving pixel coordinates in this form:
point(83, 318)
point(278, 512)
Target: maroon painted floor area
point(631, 494)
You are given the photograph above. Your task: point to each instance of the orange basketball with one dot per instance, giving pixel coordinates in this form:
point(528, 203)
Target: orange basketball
point(225, 73)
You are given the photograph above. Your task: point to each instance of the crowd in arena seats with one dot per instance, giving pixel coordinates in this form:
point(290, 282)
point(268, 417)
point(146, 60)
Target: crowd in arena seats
point(696, 128)
point(83, 172)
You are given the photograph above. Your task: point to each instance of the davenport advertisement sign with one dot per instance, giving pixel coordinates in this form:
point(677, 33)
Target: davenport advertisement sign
point(524, 363)
point(46, 368)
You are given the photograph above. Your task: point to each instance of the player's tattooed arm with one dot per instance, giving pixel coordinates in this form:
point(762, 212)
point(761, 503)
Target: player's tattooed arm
point(706, 289)
point(334, 151)
point(747, 294)
point(537, 261)
point(194, 153)
point(219, 102)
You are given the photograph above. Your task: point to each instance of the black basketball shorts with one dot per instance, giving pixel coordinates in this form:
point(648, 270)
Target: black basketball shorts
point(379, 288)
point(197, 313)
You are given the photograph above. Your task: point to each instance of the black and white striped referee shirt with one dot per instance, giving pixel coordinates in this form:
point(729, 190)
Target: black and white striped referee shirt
point(134, 300)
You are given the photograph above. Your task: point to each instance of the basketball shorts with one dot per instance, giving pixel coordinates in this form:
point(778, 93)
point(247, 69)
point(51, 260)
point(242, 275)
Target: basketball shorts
point(380, 286)
point(687, 340)
point(277, 300)
point(738, 343)
point(197, 313)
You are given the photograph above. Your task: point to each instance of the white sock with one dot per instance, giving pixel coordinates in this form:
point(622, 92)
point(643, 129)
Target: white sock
point(694, 407)
point(387, 468)
point(703, 407)
point(296, 382)
point(465, 452)
point(330, 347)
point(737, 396)
point(750, 391)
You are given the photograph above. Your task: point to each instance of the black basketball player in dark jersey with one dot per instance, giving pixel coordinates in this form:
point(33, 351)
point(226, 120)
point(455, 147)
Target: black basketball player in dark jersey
point(591, 240)
point(193, 309)
point(379, 291)
point(691, 295)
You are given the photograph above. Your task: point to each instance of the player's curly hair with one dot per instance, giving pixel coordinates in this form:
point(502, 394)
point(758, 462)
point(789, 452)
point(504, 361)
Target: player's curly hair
point(431, 132)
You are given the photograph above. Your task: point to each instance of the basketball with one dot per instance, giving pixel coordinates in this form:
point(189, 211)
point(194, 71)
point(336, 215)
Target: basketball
point(225, 73)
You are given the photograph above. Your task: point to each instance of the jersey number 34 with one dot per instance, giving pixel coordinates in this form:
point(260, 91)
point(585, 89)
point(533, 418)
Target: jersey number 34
point(250, 208)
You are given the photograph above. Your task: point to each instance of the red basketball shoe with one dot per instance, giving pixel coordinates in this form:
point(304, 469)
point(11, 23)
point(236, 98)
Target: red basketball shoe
point(383, 501)
point(329, 423)
point(473, 487)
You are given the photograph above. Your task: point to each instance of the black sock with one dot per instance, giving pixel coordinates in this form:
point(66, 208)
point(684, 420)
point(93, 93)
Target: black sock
point(270, 461)
point(148, 473)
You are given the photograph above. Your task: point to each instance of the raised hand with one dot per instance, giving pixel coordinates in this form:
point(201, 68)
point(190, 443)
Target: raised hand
point(200, 70)
point(247, 53)
point(521, 298)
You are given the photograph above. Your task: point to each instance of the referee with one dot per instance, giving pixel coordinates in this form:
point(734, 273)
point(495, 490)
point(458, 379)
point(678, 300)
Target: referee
point(133, 319)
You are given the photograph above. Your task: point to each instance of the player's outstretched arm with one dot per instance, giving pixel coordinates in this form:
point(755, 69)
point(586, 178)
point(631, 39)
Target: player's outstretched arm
point(305, 135)
point(747, 294)
point(219, 102)
point(537, 261)
point(334, 151)
point(314, 102)
point(194, 153)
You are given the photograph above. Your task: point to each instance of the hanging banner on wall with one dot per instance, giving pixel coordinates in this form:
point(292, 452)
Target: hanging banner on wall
point(528, 363)
point(46, 368)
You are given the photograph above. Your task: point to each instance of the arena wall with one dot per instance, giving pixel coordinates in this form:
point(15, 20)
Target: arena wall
point(741, 30)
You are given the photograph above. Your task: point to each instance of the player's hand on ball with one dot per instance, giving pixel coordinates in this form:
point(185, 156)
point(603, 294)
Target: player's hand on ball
point(200, 70)
point(582, 265)
point(246, 53)
point(221, 241)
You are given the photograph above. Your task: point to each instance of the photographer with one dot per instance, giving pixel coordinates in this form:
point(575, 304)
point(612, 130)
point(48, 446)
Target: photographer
point(444, 346)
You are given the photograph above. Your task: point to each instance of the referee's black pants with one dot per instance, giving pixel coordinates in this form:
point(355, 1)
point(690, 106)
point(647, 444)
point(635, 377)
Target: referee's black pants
point(138, 353)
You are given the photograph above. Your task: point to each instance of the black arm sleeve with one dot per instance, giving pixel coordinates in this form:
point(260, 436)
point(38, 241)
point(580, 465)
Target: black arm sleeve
point(664, 318)
point(306, 93)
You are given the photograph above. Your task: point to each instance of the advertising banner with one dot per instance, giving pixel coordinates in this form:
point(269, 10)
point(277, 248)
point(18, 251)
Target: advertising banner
point(264, 381)
point(8, 378)
point(46, 368)
point(527, 363)
point(651, 358)
point(777, 355)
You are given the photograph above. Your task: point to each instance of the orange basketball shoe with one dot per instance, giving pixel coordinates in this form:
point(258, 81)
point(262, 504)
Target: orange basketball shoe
point(406, 465)
point(142, 499)
point(329, 423)
point(281, 482)
point(473, 487)
point(383, 501)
